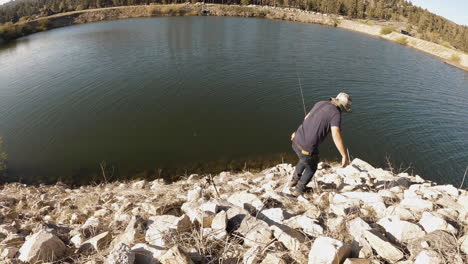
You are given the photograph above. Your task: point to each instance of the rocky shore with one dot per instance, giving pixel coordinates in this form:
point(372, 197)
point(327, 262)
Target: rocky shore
point(358, 214)
point(269, 12)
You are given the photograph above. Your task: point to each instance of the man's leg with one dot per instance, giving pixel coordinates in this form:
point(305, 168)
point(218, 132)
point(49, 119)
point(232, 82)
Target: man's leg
point(300, 167)
point(310, 163)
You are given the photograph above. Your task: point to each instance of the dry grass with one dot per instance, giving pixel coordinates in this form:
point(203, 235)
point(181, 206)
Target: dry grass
point(208, 248)
point(387, 30)
point(402, 40)
point(455, 58)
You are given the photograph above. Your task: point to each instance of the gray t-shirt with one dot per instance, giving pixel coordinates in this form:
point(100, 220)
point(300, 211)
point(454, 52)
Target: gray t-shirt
point(317, 126)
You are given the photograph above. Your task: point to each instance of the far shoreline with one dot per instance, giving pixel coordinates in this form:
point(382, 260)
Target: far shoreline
point(445, 54)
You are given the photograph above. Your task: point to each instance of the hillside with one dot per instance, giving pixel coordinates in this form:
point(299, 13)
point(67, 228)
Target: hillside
point(356, 212)
point(419, 22)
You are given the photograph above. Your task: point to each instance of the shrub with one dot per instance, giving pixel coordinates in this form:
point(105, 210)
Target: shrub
point(245, 2)
point(402, 40)
point(336, 21)
point(455, 58)
point(387, 30)
point(42, 25)
point(10, 31)
point(446, 44)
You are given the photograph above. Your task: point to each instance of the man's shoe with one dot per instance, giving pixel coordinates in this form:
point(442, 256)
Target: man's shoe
point(295, 192)
point(292, 182)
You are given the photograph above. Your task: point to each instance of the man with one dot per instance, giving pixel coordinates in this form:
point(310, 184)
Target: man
point(324, 117)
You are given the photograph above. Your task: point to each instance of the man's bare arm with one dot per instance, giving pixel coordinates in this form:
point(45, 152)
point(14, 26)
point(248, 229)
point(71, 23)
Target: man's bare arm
point(339, 143)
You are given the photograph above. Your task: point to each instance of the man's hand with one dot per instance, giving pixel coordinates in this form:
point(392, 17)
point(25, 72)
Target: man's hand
point(336, 134)
point(344, 161)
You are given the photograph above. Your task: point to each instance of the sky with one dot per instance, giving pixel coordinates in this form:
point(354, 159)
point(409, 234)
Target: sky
point(455, 10)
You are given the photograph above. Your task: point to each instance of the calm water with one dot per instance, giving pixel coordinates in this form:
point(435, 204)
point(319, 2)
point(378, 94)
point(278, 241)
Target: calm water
point(150, 95)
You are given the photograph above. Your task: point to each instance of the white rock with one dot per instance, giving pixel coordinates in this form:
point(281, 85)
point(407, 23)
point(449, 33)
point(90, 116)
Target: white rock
point(349, 171)
point(77, 218)
point(252, 256)
point(91, 227)
point(326, 250)
point(373, 200)
point(194, 194)
point(95, 244)
point(401, 212)
point(432, 222)
point(362, 164)
point(42, 246)
point(381, 175)
point(243, 199)
point(121, 254)
point(77, 240)
point(159, 225)
point(428, 257)
point(357, 227)
point(277, 215)
point(448, 189)
point(134, 230)
point(291, 239)
point(210, 207)
point(417, 204)
point(146, 254)
point(175, 255)
point(464, 243)
point(383, 248)
point(139, 184)
point(463, 201)
point(309, 225)
point(448, 213)
point(402, 231)
point(336, 225)
point(258, 236)
point(219, 221)
point(9, 253)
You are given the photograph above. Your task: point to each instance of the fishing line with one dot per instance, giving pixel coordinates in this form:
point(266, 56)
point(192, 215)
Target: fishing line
point(302, 94)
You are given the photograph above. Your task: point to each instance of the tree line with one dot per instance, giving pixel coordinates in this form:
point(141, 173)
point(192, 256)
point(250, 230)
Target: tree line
point(429, 26)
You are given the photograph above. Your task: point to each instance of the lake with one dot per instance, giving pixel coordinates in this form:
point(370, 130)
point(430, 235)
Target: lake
point(163, 97)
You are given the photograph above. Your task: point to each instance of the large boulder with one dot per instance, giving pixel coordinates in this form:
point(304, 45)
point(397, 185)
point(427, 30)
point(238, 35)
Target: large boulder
point(161, 225)
point(432, 222)
point(326, 250)
point(417, 204)
point(309, 225)
point(246, 200)
point(291, 239)
point(42, 246)
point(276, 215)
point(401, 231)
point(384, 249)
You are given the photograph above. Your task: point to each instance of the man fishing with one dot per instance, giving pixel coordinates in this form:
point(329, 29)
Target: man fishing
point(324, 117)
